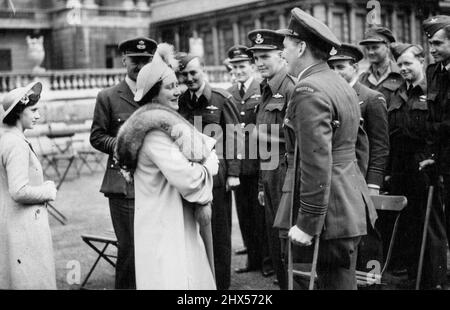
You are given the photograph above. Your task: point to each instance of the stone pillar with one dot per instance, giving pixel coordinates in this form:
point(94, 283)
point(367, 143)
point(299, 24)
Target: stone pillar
point(236, 33)
point(177, 38)
point(329, 10)
point(215, 38)
point(320, 12)
point(282, 19)
point(413, 26)
point(352, 24)
point(257, 23)
point(394, 23)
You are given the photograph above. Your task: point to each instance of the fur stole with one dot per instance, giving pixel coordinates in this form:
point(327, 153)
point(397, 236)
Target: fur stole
point(194, 145)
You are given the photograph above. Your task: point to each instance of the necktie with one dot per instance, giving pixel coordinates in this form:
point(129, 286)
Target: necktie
point(194, 99)
point(242, 90)
point(409, 90)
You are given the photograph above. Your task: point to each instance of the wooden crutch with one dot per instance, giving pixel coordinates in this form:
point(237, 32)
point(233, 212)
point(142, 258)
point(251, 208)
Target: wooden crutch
point(424, 235)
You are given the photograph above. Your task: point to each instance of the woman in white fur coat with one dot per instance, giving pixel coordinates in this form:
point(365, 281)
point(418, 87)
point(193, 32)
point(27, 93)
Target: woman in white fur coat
point(173, 167)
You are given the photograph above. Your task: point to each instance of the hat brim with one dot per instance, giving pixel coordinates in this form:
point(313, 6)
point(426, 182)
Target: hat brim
point(370, 41)
point(264, 47)
point(341, 57)
point(35, 87)
point(139, 55)
point(239, 60)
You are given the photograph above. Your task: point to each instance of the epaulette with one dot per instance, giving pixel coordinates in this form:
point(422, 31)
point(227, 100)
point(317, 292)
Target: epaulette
point(223, 92)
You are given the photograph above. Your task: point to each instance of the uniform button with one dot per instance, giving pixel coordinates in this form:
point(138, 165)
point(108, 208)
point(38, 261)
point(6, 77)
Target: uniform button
point(112, 166)
point(243, 125)
point(118, 119)
point(242, 113)
point(242, 102)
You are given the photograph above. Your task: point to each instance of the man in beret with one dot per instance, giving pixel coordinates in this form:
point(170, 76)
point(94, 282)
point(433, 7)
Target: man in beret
point(382, 75)
point(276, 90)
point(331, 198)
point(113, 107)
point(247, 95)
point(437, 29)
point(375, 123)
point(214, 107)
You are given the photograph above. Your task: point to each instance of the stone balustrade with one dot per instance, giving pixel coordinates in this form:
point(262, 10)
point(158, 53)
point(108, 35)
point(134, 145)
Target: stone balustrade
point(59, 80)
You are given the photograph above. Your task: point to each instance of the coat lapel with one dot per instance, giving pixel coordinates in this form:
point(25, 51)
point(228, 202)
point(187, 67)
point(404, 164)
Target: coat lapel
point(126, 94)
point(253, 89)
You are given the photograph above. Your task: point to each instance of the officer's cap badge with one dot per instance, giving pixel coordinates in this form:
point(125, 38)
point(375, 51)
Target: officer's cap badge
point(259, 39)
point(333, 51)
point(140, 45)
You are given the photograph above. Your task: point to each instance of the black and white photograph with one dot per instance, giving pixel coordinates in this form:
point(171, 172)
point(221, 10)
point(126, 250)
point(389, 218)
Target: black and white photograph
point(208, 145)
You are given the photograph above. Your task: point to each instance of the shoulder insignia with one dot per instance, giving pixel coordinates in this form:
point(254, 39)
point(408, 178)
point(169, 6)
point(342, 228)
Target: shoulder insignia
point(212, 107)
point(255, 96)
point(277, 96)
point(423, 98)
point(222, 92)
point(305, 89)
point(361, 102)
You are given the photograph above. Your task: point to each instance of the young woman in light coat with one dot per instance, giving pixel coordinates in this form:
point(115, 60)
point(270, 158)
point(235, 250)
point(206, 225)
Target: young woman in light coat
point(26, 253)
point(173, 168)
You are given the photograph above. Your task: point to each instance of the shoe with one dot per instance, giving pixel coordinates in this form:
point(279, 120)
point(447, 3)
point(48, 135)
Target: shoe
point(242, 270)
point(242, 251)
point(268, 273)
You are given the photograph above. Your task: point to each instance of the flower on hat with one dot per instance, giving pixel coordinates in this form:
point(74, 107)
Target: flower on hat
point(24, 100)
point(162, 64)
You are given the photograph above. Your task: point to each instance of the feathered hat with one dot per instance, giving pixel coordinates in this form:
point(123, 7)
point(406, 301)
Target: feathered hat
point(162, 64)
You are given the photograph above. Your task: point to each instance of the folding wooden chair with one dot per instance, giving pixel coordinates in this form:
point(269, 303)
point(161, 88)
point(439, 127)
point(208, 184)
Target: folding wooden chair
point(382, 203)
point(100, 244)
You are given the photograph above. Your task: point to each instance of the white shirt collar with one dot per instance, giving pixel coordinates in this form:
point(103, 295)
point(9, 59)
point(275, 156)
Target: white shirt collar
point(131, 84)
point(248, 83)
point(199, 92)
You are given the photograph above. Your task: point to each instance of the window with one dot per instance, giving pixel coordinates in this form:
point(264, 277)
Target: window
point(113, 56)
point(5, 60)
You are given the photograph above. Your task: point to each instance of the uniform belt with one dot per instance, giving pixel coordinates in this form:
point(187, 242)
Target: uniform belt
point(343, 156)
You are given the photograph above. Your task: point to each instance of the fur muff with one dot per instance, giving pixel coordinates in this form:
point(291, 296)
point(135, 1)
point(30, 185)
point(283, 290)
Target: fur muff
point(194, 146)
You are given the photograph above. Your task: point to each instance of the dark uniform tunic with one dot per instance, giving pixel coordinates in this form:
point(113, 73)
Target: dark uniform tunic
point(250, 213)
point(331, 196)
point(215, 106)
point(275, 93)
point(408, 115)
point(113, 107)
point(385, 84)
point(438, 97)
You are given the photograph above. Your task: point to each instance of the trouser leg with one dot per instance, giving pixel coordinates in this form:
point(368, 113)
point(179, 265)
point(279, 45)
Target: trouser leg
point(122, 216)
point(221, 233)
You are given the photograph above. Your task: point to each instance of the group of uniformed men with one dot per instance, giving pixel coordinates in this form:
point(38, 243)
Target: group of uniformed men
point(331, 137)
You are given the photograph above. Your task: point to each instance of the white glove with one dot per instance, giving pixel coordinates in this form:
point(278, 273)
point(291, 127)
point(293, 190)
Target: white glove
point(51, 190)
point(212, 163)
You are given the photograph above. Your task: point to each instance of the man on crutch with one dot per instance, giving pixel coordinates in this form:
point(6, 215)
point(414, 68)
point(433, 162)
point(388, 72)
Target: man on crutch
point(324, 114)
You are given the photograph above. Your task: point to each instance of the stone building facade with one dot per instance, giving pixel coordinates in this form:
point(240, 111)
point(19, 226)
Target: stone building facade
point(221, 24)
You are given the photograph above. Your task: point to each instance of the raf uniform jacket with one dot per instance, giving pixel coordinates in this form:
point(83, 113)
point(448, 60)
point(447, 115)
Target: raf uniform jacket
point(438, 98)
point(375, 124)
point(215, 106)
point(333, 195)
point(247, 114)
point(387, 84)
point(113, 107)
